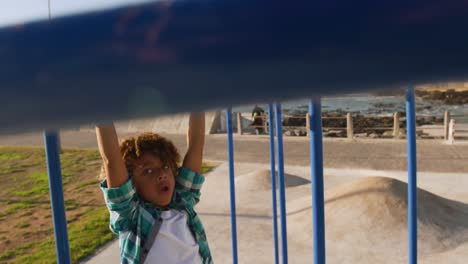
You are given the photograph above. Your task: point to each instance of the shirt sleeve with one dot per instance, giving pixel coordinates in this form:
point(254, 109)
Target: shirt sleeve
point(122, 203)
point(189, 184)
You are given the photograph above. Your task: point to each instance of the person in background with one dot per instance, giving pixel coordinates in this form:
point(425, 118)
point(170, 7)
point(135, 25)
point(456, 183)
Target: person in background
point(258, 119)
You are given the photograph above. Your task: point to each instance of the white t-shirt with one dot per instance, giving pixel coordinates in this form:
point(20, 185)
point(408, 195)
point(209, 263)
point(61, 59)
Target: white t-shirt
point(174, 243)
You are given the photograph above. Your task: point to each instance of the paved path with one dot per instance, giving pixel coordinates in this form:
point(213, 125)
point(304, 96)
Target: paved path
point(379, 154)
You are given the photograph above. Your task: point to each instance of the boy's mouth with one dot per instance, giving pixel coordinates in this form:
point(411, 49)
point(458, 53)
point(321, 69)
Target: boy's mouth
point(164, 189)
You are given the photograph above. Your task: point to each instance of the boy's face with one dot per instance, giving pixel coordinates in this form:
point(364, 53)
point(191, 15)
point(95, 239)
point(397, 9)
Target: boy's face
point(153, 180)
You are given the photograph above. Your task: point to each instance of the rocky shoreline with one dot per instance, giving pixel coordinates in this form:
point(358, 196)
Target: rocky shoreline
point(334, 125)
point(449, 97)
point(376, 121)
point(445, 96)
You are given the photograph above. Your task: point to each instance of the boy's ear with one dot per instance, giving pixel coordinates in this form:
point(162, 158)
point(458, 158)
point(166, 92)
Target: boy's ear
point(176, 170)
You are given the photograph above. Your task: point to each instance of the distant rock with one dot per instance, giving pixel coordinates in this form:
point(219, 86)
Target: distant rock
point(360, 135)
point(388, 134)
point(383, 105)
point(300, 132)
point(335, 133)
point(450, 97)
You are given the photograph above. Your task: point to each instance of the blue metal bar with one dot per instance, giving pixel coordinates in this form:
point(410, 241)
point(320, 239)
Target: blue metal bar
point(273, 179)
point(282, 192)
point(316, 171)
point(52, 149)
point(232, 187)
point(99, 67)
point(412, 184)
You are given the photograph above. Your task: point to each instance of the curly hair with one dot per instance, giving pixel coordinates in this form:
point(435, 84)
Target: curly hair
point(133, 148)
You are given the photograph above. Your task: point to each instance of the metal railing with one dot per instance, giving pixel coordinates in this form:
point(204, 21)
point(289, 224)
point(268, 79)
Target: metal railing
point(348, 126)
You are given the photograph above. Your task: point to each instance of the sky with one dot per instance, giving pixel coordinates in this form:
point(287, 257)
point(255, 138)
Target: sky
point(20, 11)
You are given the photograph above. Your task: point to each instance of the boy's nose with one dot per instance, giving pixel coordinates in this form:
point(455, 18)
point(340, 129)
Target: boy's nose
point(162, 176)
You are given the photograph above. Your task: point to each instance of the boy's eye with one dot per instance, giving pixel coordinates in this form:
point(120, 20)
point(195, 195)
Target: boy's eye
point(166, 167)
point(148, 171)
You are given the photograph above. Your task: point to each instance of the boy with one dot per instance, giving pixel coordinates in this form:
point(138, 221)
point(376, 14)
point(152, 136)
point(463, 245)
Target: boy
point(151, 200)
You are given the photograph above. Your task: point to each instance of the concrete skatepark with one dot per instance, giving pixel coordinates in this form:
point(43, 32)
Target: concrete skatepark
point(366, 216)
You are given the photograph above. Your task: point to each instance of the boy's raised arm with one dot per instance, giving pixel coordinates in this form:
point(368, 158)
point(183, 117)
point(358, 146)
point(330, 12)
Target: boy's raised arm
point(113, 164)
point(195, 142)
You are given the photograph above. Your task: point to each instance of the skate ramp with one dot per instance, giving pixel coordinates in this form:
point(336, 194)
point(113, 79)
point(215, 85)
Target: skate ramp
point(367, 220)
point(261, 180)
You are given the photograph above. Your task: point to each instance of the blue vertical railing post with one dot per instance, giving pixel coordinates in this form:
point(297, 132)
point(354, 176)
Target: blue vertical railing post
point(273, 180)
point(282, 189)
point(316, 161)
point(52, 150)
point(232, 187)
point(412, 184)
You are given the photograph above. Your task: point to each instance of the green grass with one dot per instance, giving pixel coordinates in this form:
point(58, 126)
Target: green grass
point(206, 168)
point(39, 182)
point(9, 156)
point(10, 254)
point(36, 184)
point(93, 156)
point(87, 183)
point(18, 159)
point(22, 224)
point(27, 213)
point(7, 169)
point(16, 207)
point(25, 169)
point(72, 160)
point(36, 190)
point(70, 205)
point(85, 236)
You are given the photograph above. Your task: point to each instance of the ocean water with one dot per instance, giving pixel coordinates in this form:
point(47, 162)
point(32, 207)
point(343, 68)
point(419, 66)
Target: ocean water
point(371, 105)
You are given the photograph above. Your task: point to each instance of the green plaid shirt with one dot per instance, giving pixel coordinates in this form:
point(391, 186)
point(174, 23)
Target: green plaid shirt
point(133, 219)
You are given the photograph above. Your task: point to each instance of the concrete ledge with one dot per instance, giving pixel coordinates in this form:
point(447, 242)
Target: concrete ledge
point(171, 124)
